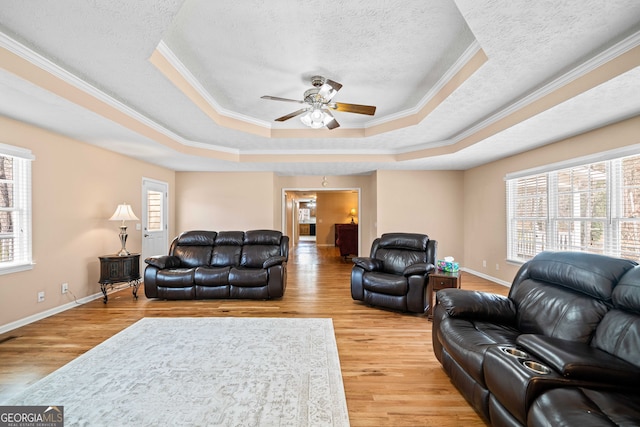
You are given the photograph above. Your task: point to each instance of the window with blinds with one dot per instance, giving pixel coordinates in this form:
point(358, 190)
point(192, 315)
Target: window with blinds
point(15, 209)
point(154, 209)
point(592, 207)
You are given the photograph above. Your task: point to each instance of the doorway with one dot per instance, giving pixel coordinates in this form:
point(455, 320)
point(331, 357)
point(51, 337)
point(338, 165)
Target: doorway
point(155, 231)
point(309, 215)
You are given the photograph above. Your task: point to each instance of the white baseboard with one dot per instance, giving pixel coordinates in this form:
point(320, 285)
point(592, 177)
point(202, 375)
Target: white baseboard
point(39, 316)
point(44, 314)
point(487, 277)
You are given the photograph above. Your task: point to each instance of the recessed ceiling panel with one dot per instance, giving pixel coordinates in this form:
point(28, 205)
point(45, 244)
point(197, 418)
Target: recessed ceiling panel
point(239, 51)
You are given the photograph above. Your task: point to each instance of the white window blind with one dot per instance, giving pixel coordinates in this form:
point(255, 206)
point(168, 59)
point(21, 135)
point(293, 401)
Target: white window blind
point(627, 220)
point(593, 207)
point(15, 209)
point(154, 209)
point(527, 226)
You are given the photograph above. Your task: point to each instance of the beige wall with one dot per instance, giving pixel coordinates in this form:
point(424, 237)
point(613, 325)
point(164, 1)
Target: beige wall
point(365, 184)
point(485, 230)
point(333, 208)
point(225, 201)
point(428, 202)
point(76, 188)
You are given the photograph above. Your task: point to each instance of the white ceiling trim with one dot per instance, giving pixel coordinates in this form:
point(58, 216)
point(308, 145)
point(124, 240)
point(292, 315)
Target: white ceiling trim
point(38, 60)
point(460, 63)
point(50, 67)
point(320, 151)
point(182, 69)
point(581, 70)
point(173, 60)
point(427, 146)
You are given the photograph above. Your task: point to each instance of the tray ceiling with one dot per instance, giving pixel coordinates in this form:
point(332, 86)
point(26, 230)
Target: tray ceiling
point(456, 83)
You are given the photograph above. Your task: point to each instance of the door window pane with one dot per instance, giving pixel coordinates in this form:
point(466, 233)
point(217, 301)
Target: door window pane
point(154, 207)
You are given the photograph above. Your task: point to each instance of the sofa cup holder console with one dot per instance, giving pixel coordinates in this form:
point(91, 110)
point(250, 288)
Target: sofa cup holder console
point(512, 351)
point(536, 367)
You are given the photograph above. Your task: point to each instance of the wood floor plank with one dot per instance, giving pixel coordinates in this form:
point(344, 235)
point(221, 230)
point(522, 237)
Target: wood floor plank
point(391, 376)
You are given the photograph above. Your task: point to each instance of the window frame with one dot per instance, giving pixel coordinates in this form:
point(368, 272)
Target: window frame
point(610, 221)
point(21, 210)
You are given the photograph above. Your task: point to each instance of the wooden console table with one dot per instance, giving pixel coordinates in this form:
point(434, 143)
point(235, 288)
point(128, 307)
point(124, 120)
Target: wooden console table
point(119, 269)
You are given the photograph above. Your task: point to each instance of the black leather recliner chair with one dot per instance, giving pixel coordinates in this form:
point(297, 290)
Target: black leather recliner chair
point(395, 275)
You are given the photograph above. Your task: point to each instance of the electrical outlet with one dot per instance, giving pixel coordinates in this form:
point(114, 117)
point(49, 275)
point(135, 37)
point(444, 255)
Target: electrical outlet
point(484, 262)
point(64, 288)
point(497, 266)
point(41, 296)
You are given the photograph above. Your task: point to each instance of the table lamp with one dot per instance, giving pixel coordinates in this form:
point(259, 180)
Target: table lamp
point(352, 214)
point(123, 213)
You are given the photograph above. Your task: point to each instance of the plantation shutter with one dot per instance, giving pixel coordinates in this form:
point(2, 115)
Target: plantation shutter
point(527, 204)
point(15, 209)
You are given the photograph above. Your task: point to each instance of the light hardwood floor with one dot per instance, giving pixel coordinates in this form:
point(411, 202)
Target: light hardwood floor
point(391, 377)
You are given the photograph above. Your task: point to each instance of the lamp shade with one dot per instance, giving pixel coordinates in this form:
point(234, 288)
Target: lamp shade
point(123, 213)
point(316, 118)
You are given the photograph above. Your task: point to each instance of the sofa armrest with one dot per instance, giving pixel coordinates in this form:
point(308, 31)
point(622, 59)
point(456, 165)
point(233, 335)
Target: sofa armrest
point(368, 264)
point(418, 269)
point(274, 260)
point(477, 305)
point(579, 361)
point(164, 261)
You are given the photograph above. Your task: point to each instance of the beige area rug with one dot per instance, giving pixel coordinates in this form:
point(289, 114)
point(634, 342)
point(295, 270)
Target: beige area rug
point(202, 372)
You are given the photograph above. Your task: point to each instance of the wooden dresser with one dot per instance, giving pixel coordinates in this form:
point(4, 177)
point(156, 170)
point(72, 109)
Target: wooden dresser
point(346, 238)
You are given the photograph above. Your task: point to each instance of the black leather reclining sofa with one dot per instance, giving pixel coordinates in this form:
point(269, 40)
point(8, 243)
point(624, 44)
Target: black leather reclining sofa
point(563, 349)
point(224, 264)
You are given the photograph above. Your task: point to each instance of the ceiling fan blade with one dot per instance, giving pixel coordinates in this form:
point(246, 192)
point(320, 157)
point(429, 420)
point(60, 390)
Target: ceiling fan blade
point(369, 110)
point(277, 98)
point(333, 123)
point(291, 115)
point(329, 89)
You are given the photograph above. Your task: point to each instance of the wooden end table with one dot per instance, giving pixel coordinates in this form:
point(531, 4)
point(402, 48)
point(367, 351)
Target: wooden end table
point(441, 280)
point(119, 269)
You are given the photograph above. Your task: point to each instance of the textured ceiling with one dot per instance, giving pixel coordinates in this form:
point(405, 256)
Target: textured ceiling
point(448, 78)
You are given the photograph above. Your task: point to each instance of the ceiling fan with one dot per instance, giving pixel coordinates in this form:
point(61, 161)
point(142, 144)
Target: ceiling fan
point(317, 112)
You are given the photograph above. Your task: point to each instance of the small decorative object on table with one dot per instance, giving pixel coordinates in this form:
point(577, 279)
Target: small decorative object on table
point(448, 265)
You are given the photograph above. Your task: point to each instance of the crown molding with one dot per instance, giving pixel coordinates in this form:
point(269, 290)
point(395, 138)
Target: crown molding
point(184, 71)
point(574, 74)
point(57, 71)
point(468, 55)
point(609, 54)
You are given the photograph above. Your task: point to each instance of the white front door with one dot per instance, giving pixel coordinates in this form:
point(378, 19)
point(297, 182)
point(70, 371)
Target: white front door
point(155, 231)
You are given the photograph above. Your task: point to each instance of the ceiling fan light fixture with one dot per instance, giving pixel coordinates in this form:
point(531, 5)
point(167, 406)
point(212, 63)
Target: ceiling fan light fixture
point(315, 118)
point(317, 114)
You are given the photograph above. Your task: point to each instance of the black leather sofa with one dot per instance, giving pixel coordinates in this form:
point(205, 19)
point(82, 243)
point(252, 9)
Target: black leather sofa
point(396, 273)
point(563, 349)
point(224, 264)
